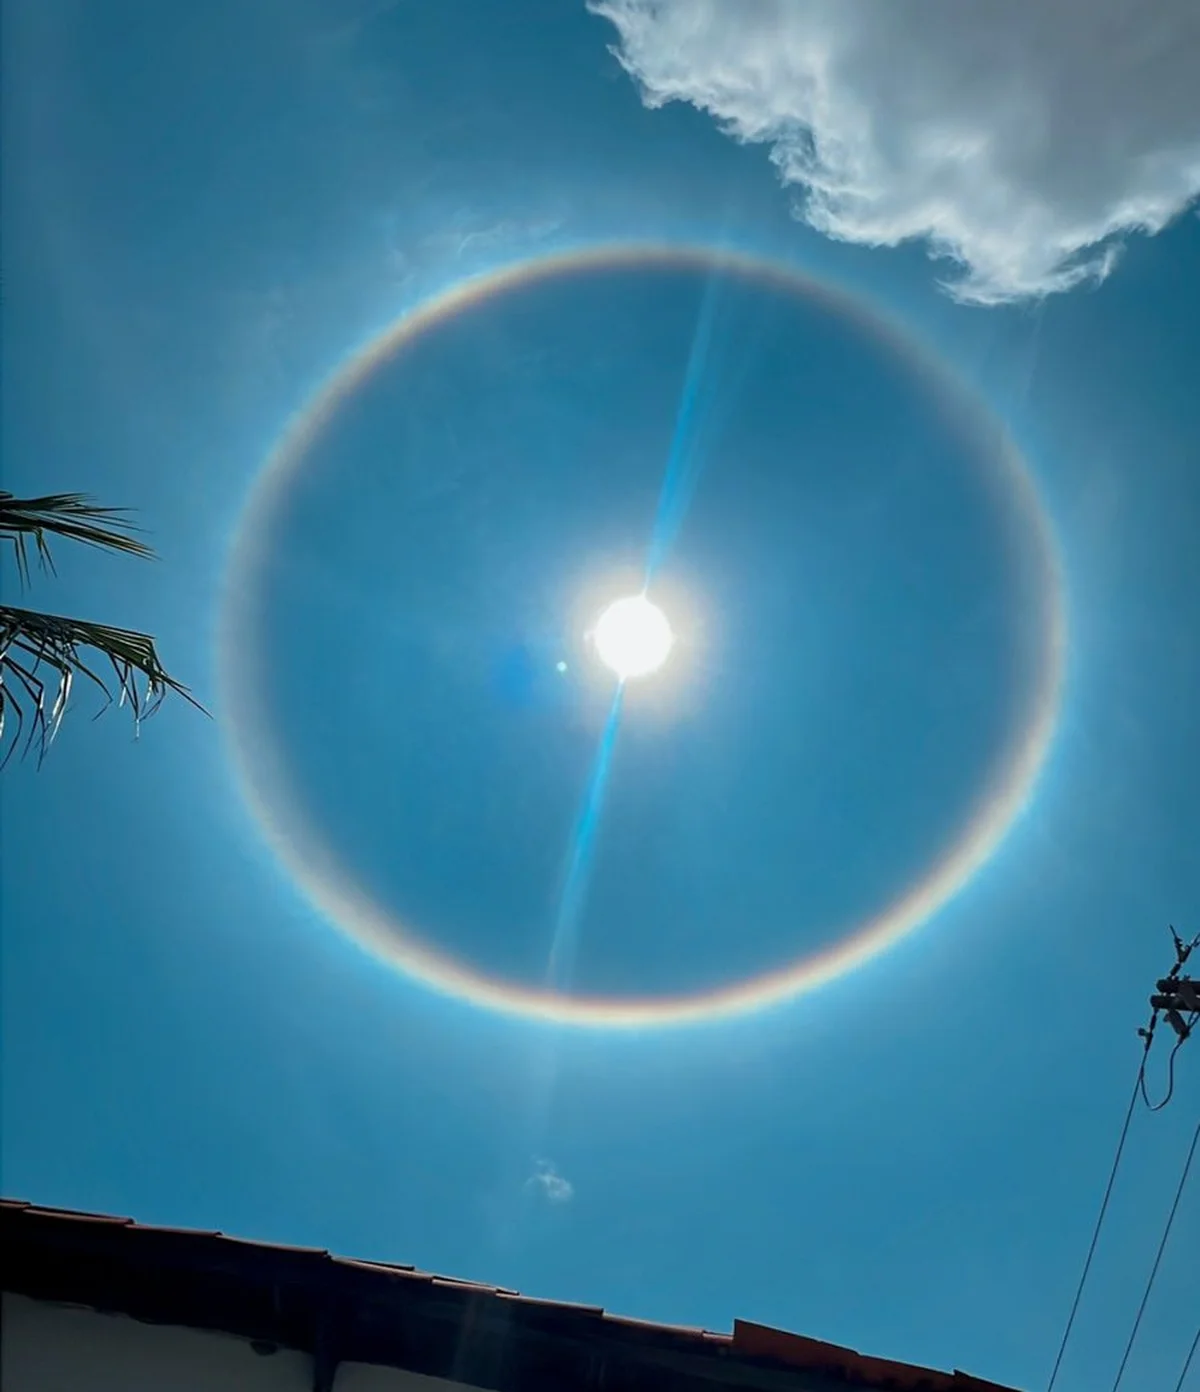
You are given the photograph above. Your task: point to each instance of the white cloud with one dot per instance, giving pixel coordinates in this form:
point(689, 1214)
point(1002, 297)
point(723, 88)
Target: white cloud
point(550, 1183)
point(1020, 137)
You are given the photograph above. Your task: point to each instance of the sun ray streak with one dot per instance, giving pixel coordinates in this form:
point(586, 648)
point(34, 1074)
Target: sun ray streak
point(684, 465)
point(564, 947)
point(684, 459)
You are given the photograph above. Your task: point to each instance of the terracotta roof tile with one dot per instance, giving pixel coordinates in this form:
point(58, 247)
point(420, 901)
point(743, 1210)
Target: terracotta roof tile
point(285, 1248)
point(386, 1268)
point(72, 1215)
point(46, 1242)
point(537, 1301)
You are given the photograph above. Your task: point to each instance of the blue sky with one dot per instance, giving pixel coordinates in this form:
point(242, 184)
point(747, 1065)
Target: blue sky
point(205, 213)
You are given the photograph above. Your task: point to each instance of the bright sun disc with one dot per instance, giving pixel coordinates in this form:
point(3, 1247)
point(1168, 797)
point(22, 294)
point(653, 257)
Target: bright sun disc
point(633, 637)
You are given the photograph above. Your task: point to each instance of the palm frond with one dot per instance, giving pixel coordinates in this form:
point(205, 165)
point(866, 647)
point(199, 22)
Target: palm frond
point(42, 655)
point(71, 515)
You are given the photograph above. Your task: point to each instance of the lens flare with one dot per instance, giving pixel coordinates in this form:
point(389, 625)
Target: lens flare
point(261, 765)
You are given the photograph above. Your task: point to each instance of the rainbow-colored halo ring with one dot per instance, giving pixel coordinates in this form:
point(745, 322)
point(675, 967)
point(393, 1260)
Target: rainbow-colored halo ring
point(260, 764)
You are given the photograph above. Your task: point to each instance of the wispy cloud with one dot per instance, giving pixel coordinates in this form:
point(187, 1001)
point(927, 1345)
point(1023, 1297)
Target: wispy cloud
point(508, 235)
point(546, 1181)
point(1021, 140)
point(348, 21)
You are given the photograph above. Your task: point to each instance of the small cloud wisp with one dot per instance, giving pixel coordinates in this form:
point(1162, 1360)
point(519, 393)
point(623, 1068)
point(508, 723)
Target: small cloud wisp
point(546, 1181)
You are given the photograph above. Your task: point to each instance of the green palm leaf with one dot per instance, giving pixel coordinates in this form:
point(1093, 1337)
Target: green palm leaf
point(71, 515)
point(42, 655)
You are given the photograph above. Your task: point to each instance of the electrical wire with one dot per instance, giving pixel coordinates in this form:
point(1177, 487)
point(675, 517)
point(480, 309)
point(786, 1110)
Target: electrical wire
point(1112, 1179)
point(1182, 952)
point(1158, 1106)
point(1187, 1362)
point(1133, 1333)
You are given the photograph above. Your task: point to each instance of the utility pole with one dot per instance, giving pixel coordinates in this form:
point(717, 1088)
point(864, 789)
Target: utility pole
point(1177, 997)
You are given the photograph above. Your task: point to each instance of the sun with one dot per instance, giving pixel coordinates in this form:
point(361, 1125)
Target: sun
point(633, 637)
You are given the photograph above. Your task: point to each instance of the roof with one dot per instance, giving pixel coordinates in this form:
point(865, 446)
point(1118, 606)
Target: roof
point(341, 1310)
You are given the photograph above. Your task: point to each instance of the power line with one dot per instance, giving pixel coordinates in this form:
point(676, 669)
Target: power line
point(1187, 1362)
point(1176, 994)
point(1112, 1179)
point(1133, 1333)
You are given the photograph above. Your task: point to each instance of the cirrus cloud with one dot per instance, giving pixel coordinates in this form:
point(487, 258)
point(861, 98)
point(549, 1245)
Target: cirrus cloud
point(1021, 138)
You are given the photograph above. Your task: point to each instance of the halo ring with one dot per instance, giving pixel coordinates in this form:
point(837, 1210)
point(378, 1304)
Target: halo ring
point(260, 766)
